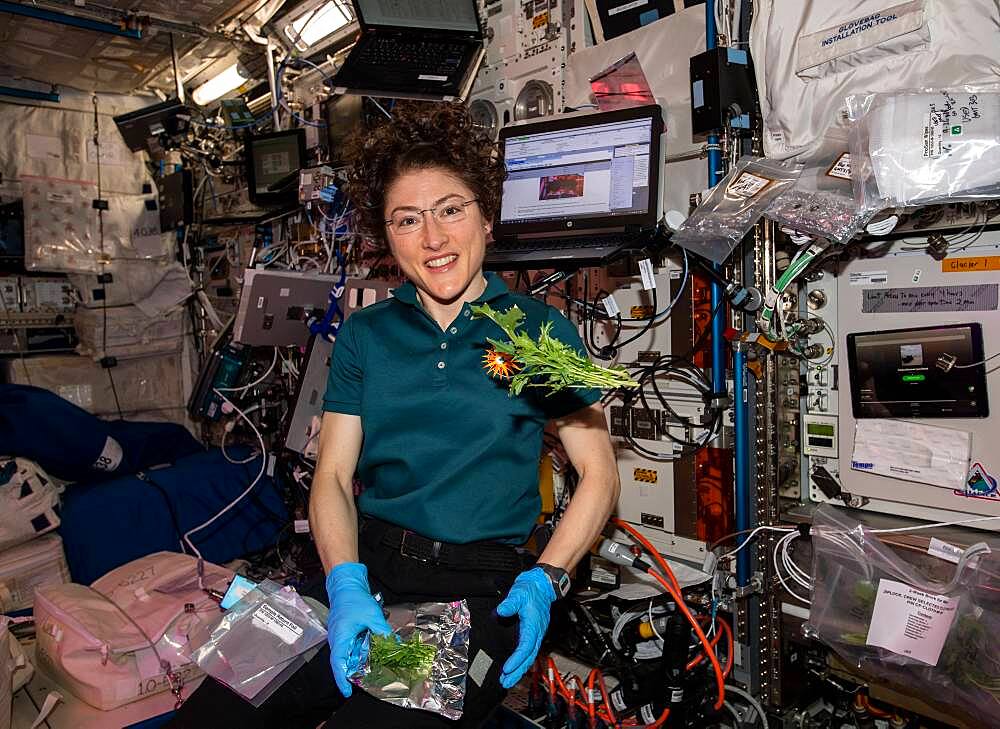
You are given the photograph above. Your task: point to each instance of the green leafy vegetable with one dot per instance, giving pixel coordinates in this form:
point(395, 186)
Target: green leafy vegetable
point(548, 362)
point(412, 655)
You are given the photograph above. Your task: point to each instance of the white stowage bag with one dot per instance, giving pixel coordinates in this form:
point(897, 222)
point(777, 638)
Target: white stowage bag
point(809, 55)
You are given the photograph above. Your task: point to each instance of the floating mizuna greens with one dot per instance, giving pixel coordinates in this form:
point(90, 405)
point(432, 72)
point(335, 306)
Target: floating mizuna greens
point(547, 362)
point(410, 655)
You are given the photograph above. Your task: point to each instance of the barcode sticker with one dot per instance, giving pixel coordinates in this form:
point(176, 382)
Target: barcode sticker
point(611, 306)
point(646, 271)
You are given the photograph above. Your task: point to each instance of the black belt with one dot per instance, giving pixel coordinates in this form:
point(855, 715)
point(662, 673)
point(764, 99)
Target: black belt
point(487, 556)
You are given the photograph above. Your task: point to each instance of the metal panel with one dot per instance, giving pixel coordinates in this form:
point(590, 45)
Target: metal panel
point(912, 268)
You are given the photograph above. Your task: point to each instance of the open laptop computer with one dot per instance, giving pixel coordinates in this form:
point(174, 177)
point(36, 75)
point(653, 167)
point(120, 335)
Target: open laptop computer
point(580, 188)
point(419, 49)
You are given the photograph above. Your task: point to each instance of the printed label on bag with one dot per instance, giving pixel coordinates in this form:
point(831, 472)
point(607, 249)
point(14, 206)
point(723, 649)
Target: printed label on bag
point(748, 185)
point(617, 700)
point(841, 169)
point(945, 551)
point(911, 622)
point(269, 619)
point(111, 456)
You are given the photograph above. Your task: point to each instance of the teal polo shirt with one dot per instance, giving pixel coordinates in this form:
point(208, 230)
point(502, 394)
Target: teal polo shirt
point(446, 452)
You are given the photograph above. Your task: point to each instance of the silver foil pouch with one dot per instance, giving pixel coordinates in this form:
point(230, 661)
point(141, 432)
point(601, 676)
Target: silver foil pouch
point(443, 625)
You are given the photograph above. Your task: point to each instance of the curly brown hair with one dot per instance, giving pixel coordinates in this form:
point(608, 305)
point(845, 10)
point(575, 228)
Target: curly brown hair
point(420, 135)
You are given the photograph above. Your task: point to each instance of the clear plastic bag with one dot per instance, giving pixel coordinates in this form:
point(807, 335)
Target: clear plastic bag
point(732, 207)
point(920, 623)
point(821, 201)
point(260, 642)
point(925, 147)
point(440, 688)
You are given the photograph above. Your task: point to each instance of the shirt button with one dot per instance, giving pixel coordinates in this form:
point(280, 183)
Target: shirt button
point(444, 345)
point(440, 365)
point(453, 330)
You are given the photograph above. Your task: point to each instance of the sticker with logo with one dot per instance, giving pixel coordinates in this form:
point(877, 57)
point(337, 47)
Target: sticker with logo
point(980, 484)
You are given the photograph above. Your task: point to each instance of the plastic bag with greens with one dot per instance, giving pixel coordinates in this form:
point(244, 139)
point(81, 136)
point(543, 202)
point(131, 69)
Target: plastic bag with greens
point(422, 665)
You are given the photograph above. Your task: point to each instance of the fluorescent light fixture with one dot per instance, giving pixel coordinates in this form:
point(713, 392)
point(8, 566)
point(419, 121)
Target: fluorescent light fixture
point(316, 24)
point(218, 85)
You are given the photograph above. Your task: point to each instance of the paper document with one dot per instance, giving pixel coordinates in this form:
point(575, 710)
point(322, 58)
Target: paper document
point(911, 622)
point(912, 452)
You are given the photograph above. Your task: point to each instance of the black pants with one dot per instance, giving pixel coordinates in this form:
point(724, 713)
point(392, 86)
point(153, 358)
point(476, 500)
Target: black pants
point(311, 696)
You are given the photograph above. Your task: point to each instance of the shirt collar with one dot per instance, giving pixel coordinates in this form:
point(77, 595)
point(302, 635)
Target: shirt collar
point(495, 288)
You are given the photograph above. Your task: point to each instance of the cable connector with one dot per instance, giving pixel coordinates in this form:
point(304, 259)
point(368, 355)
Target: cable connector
point(804, 529)
point(945, 362)
point(99, 204)
point(105, 278)
point(109, 362)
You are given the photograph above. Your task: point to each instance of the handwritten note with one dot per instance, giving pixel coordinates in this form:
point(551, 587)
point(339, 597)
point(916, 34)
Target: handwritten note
point(977, 297)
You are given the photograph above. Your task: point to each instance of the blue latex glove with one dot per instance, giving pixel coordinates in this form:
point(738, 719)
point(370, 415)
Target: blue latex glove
point(530, 598)
point(353, 612)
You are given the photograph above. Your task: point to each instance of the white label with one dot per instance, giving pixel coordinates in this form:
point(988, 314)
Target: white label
point(675, 274)
point(912, 451)
point(611, 306)
point(646, 271)
point(109, 152)
point(865, 278)
point(945, 551)
point(594, 696)
point(626, 7)
point(111, 456)
point(269, 619)
point(841, 168)
point(431, 77)
point(748, 185)
point(676, 696)
point(260, 302)
point(284, 293)
point(66, 198)
point(646, 712)
point(911, 622)
point(618, 701)
point(602, 576)
point(917, 273)
point(933, 137)
point(43, 147)
point(301, 526)
point(480, 667)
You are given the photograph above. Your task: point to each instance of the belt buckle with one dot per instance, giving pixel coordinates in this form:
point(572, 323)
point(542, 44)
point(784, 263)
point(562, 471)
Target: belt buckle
point(403, 551)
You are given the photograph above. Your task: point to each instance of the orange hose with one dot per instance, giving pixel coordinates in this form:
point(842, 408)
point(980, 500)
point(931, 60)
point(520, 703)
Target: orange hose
point(674, 589)
point(720, 682)
point(648, 546)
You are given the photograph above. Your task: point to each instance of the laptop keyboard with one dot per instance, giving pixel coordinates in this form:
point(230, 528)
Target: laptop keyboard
point(427, 57)
point(551, 244)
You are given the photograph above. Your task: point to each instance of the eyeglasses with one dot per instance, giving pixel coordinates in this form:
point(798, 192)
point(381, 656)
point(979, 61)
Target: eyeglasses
point(404, 222)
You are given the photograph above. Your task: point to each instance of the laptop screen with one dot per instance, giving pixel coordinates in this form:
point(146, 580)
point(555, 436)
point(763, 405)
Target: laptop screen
point(584, 171)
point(435, 14)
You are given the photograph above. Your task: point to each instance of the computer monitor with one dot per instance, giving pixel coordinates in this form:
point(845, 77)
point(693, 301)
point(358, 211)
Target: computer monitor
point(144, 128)
point(895, 373)
point(273, 162)
point(582, 172)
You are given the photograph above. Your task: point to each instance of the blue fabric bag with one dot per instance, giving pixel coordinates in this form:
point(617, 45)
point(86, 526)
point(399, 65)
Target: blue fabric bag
point(73, 445)
point(105, 525)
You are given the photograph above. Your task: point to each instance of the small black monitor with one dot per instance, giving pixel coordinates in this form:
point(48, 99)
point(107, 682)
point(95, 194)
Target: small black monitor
point(273, 162)
point(176, 200)
point(143, 129)
point(895, 373)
